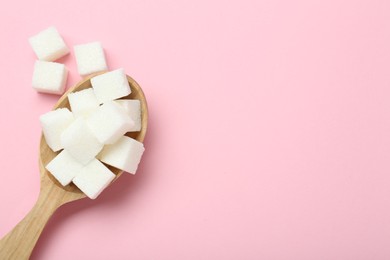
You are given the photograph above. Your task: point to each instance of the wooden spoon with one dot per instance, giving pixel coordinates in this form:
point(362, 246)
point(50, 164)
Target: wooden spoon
point(19, 243)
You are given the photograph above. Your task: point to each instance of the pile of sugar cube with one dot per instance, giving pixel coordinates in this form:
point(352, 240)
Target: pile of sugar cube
point(49, 76)
point(92, 133)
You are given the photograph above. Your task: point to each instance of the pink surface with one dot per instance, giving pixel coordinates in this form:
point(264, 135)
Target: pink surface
point(269, 131)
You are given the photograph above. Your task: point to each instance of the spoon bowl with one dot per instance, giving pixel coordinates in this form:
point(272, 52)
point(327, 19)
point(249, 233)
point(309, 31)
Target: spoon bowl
point(20, 241)
point(46, 154)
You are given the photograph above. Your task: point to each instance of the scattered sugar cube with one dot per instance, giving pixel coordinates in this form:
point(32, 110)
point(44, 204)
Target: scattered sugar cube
point(109, 122)
point(48, 45)
point(53, 125)
point(90, 58)
point(111, 85)
point(83, 102)
point(49, 77)
point(133, 109)
point(80, 142)
point(64, 167)
point(93, 179)
point(125, 154)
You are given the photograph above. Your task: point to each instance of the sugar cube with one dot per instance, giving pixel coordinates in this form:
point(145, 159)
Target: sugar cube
point(53, 125)
point(109, 122)
point(64, 167)
point(93, 178)
point(90, 58)
point(80, 142)
point(133, 109)
point(125, 154)
point(111, 85)
point(83, 102)
point(49, 77)
point(48, 44)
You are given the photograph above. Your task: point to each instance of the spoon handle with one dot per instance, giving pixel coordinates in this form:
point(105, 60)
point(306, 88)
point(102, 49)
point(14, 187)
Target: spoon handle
point(19, 243)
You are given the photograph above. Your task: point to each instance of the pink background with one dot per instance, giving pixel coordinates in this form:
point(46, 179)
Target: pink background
point(269, 131)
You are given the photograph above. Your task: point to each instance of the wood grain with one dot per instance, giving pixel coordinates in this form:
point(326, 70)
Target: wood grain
point(19, 243)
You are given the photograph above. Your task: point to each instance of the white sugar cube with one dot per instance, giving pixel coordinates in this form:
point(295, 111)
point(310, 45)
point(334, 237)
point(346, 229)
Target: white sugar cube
point(48, 45)
point(125, 154)
point(133, 109)
point(53, 125)
point(80, 142)
point(64, 167)
point(49, 77)
point(83, 102)
point(93, 178)
point(90, 58)
point(109, 122)
point(111, 85)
